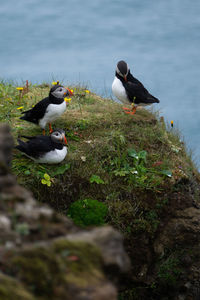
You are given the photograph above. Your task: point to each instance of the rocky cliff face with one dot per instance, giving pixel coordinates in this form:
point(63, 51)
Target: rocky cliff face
point(178, 246)
point(43, 255)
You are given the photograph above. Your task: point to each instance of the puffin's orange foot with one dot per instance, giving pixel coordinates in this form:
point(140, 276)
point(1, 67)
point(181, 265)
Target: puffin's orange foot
point(50, 128)
point(132, 112)
point(129, 111)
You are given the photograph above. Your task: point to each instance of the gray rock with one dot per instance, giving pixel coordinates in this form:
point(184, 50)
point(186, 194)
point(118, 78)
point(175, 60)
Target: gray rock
point(5, 223)
point(110, 242)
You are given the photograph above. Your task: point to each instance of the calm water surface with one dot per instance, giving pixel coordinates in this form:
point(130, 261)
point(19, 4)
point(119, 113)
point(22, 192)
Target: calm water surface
point(80, 42)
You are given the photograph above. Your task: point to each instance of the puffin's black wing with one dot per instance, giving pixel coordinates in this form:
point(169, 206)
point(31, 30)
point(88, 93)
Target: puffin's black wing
point(135, 80)
point(37, 112)
point(137, 93)
point(37, 146)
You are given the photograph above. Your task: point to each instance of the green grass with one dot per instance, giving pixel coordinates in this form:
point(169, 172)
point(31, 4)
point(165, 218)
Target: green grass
point(136, 165)
point(128, 154)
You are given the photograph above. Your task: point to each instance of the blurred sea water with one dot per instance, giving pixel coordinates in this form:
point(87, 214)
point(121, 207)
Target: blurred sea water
point(78, 41)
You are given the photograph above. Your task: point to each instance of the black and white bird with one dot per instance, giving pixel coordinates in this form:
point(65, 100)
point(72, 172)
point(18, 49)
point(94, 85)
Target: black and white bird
point(49, 109)
point(129, 90)
point(45, 149)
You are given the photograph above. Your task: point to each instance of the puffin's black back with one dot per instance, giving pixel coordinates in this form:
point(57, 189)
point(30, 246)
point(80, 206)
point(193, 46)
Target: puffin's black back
point(37, 112)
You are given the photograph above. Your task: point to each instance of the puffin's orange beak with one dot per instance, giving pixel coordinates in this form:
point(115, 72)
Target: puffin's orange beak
point(65, 140)
point(70, 92)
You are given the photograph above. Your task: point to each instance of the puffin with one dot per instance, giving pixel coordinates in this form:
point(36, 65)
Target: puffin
point(130, 90)
point(50, 149)
point(49, 108)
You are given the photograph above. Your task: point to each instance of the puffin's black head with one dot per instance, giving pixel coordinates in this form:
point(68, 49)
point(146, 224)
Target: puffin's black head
point(58, 136)
point(58, 91)
point(122, 69)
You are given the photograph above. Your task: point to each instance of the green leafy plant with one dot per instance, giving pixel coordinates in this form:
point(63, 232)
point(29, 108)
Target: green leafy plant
point(88, 212)
point(46, 180)
point(134, 168)
point(60, 170)
point(96, 179)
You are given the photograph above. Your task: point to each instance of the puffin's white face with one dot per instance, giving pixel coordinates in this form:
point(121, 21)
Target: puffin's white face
point(122, 69)
point(60, 92)
point(58, 136)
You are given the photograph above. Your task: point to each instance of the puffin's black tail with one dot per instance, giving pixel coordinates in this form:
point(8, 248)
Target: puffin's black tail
point(28, 116)
point(23, 147)
point(23, 118)
point(152, 99)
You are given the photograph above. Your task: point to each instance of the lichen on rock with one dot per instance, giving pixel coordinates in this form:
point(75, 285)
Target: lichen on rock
point(12, 289)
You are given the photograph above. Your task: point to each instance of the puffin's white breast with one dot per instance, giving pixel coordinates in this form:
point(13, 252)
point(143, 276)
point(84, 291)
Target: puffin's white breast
point(52, 157)
point(119, 91)
point(53, 112)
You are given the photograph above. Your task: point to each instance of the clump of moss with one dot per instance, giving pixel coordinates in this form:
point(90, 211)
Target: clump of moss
point(49, 272)
point(37, 268)
point(88, 212)
point(12, 289)
point(84, 261)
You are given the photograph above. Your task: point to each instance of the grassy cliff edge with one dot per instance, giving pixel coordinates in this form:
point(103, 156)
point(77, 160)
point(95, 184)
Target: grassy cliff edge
point(135, 165)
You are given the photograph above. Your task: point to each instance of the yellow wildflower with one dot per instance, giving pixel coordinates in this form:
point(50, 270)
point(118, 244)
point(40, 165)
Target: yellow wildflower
point(67, 99)
point(19, 88)
point(20, 107)
point(55, 82)
point(87, 91)
point(172, 123)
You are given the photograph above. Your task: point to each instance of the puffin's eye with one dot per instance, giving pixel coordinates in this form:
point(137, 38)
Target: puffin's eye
point(56, 134)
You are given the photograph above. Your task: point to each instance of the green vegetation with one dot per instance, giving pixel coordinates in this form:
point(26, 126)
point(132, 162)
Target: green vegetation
point(96, 179)
point(88, 212)
point(10, 288)
point(169, 271)
point(136, 172)
point(135, 167)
